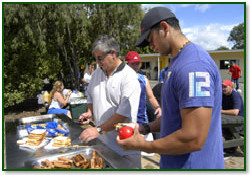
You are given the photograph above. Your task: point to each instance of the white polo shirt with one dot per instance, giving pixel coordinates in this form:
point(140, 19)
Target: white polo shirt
point(87, 76)
point(120, 94)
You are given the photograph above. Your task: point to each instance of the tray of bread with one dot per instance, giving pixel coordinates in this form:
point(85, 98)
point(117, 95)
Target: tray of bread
point(58, 142)
point(36, 135)
point(86, 158)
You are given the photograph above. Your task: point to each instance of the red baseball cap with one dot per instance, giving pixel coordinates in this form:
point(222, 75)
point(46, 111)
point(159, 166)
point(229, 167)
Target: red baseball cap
point(227, 83)
point(132, 57)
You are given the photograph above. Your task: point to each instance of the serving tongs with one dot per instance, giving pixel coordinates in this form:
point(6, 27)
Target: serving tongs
point(74, 147)
point(79, 123)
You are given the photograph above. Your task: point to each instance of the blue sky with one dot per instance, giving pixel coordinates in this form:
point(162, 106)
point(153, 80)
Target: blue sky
point(206, 24)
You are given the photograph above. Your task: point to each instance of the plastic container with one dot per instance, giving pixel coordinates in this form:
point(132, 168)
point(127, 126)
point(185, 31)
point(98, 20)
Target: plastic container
point(45, 97)
point(77, 109)
point(50, 98)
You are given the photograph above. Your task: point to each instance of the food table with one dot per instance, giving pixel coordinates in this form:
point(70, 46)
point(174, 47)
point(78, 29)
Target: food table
point(18, 158)
point(230, 122)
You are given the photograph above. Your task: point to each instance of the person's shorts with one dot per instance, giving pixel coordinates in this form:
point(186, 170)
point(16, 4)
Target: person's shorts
point(58, 111)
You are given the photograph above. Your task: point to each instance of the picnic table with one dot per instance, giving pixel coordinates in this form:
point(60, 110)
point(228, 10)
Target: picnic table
point(229, 123)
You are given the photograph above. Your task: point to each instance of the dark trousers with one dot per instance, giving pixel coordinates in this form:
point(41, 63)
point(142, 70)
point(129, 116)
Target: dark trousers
point(236, 81)
point(151, 118)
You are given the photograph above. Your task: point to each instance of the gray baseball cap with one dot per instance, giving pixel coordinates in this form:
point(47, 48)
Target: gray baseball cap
point(153, 17)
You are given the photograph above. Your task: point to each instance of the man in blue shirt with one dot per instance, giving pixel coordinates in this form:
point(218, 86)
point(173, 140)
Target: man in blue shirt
point(190, 126)
point(163, 73)
point(232, 103)
point(133, 60)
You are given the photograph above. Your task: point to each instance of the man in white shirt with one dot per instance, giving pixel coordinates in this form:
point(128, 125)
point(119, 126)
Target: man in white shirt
point(87, 76)
point(113, 96)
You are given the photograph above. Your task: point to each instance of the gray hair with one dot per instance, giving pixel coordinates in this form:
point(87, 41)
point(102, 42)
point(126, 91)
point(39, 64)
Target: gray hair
point(106, 44)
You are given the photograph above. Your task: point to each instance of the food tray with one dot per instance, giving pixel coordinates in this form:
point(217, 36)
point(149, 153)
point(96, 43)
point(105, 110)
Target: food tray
point(86, 152)
point(36, 119)
point(22, 132)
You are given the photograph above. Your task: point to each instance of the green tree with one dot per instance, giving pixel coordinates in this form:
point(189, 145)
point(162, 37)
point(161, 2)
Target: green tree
point(75, 43)
point(237, 36)
point(25, 51)
point(121, 21)
point(50, 41)
point(222, 48)
point(41, 41)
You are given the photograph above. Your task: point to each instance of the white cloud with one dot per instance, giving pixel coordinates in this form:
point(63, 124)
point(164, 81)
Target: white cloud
point(202, 8)
point(198, 7)
point(211, 36)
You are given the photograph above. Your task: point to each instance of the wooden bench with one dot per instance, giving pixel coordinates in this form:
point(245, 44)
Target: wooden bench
point(230, 122)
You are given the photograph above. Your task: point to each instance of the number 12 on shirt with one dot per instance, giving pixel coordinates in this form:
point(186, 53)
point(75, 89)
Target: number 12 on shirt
point(198, 83)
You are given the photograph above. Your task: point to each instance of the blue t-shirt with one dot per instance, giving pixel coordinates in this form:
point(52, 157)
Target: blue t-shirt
point(142, 110)
point(233, 101)
point(163, 74)
point(193, 80)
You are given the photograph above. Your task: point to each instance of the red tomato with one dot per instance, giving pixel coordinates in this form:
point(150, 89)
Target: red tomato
point(126, 132)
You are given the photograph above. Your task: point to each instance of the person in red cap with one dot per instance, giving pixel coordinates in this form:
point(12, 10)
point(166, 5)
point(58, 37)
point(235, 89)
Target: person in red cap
point(133, 60)
point(232, 103)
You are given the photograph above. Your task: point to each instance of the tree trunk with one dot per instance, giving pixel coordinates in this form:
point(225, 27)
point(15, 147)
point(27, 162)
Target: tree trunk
point(64, 51)
point(76, 84)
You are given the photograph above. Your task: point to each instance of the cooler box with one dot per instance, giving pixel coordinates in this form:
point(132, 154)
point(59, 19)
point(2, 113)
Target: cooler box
point(77, 108)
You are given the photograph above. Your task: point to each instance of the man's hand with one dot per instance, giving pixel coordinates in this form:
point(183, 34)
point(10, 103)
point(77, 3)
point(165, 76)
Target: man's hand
point(89, 134)
point(134, 142)
point(85, 118)
point(158, 112)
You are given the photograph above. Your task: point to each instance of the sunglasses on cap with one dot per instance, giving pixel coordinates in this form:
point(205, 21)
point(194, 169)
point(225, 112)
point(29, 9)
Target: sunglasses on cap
point(100, 58)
